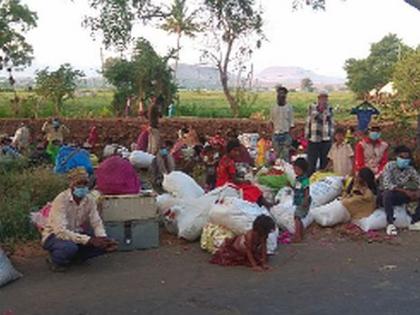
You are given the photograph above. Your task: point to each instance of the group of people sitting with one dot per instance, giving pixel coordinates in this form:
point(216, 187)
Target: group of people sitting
point(377, 182)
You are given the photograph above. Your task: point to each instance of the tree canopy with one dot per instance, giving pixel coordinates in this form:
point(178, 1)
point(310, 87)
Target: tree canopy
point(233, 30)
point(57, 85)
point(407, 77)
point(376, 70)
point(144, 75)
point(15, 20)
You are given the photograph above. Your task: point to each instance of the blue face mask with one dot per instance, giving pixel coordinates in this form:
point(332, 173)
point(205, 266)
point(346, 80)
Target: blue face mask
point(164, 152)
point(81, 192)
point(374, 135)
point(403, 163)
point(56, 124)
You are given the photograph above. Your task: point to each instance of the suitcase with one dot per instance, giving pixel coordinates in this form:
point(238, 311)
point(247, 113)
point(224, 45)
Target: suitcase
point(135, 234)
point(123, 208)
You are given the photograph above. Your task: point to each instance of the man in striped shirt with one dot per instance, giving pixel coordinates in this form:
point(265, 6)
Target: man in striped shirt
point(319, 131)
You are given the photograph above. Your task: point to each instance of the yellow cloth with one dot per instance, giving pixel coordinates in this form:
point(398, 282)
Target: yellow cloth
point(67, 218)
point(214, 236)
point(360, 202)
point(263, 146)
point(320, 175)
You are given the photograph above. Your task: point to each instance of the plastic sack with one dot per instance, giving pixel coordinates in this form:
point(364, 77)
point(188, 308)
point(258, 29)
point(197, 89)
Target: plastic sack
point(40, 218)
point(7, 272)
point(69, 158)
point(284, 212)
point(181, 185)
point(377, 220)
point(331, 214)
point(236, 214)
point(267, 192)
point(140, 159)
point(320, 175)
point(214, 236)
point(164, 202)
point(326, 190)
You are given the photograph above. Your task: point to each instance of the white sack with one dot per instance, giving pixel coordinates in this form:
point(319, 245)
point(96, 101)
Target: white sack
point(140, 159)
point(181, 185)
point(284, 215)
point(331, 214)
point(326, 190)
point(7, 272)
point(377, 220)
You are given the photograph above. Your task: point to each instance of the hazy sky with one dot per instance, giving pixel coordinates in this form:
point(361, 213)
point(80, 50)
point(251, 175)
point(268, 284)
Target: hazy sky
point(319, 41)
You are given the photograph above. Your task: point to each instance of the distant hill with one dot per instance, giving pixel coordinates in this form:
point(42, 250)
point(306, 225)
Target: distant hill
point(292, 76)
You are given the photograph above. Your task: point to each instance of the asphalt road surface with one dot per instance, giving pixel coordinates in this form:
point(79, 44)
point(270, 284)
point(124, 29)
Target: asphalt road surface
point(315, 277)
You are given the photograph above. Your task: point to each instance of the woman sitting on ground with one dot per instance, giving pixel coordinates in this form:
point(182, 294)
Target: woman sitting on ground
point(226, 173)
point(360, 197)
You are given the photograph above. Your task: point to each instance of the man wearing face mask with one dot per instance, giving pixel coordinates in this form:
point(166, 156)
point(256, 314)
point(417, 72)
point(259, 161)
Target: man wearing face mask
point(162, 164)
point(400, 185)
point(372, 152)
point(73, 213)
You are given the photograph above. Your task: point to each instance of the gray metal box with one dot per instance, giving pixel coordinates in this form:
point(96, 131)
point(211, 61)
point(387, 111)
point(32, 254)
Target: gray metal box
point(127, 208)
point(132, 235)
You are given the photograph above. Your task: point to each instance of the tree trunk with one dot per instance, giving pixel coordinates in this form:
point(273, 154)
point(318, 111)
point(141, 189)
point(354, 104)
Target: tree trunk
point(178, 47)
point(230, 98)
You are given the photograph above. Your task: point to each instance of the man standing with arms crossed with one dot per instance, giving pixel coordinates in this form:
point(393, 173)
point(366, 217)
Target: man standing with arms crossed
point(281, 122)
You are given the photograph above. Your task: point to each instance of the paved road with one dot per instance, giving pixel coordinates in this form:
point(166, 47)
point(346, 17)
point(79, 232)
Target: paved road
point(312, 278)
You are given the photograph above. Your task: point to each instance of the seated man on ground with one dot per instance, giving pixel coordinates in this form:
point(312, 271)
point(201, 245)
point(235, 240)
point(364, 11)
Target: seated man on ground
point(400, 184)
point(66, 235)
point(226, 173)
point(162, 164)
point(116, 176)
point(371, 152)
point(7, 149)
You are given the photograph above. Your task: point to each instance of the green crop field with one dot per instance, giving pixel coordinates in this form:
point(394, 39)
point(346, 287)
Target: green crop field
point(191, 103)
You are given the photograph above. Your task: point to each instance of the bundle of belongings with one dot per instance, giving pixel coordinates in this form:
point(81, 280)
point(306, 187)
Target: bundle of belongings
point(187, 211)
point(7, 272)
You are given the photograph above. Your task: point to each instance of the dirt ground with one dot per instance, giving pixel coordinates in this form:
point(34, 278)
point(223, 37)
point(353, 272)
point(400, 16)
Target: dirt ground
point(327, 274)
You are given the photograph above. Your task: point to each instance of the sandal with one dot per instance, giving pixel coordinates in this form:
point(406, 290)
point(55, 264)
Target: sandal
point(391, 230)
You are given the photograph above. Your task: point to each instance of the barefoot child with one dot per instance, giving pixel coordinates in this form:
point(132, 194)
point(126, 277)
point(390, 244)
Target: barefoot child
point(302, 199)
point(341, 155)
point(249, 249)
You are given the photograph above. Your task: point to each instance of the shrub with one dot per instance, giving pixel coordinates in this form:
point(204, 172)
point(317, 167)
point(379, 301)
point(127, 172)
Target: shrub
point(21, 192)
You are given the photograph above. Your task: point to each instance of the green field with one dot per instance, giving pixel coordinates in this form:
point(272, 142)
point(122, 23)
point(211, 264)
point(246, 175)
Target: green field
point(191, 104)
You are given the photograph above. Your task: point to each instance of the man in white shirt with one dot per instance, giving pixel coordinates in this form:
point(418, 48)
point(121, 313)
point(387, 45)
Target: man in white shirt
point(281, 121)
point(65, 235)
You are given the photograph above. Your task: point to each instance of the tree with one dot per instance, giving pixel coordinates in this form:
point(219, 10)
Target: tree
point(115, 19)
point(57, 85)
point(233, 29)
point(407, 82)
point(376, 70)
point(180, 22)
point(307, 85)
point(144, 75)
point(15, 20)
point(320, 4)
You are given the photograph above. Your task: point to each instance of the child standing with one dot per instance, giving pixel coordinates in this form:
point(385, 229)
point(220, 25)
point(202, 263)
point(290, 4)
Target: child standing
point(302, 199)
point(341, 155)
point(249, 249)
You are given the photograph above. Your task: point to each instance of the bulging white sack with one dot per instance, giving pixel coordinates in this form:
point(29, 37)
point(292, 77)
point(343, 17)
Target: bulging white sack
point(331, 214)
point(140, 159)
point(181, 185)
point(326, 190)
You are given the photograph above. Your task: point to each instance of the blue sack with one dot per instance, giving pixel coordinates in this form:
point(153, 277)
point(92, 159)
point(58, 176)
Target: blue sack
point(69, 158)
